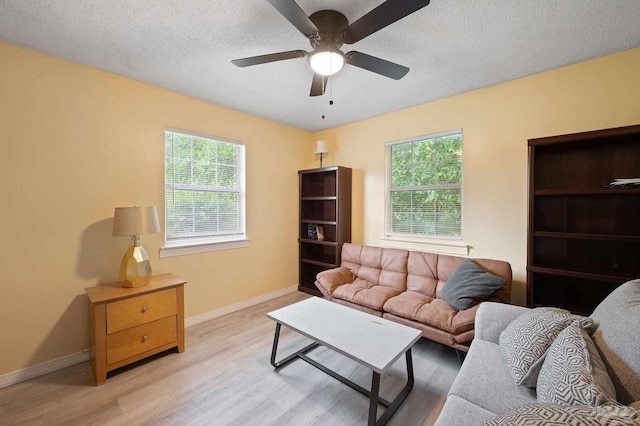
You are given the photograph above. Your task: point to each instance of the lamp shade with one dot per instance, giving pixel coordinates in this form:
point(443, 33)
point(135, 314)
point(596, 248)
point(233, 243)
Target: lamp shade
point(321, 148)
point(135, 221)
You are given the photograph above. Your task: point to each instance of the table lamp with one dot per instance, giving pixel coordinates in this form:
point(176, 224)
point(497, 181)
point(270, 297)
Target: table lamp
point(135, 269)
point(321, 149)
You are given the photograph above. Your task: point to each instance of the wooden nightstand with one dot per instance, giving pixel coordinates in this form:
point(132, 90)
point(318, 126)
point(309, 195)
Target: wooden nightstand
point(129, 324)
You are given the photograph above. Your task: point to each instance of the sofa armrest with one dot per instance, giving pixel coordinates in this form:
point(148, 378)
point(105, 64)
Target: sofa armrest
point(493, 317)
point(327, 281)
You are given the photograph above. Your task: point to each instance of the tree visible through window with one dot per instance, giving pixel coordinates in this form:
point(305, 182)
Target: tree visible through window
point(425, 186)
point(204, 189)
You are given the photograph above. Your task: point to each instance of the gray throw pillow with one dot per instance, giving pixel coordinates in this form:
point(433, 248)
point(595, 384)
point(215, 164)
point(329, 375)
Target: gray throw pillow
point(573, 372)
point(551, 414)
point(468, 285)
point(525, 341)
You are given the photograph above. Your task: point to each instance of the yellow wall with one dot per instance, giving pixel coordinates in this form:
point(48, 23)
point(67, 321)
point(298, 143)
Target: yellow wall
point(496, 123)
point(77, 142)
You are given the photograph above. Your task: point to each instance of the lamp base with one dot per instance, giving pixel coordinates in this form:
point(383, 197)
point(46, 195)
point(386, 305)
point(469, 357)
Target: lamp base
point(135, 268)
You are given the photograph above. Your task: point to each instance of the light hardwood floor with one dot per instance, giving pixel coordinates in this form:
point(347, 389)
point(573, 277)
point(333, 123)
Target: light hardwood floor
point(224, 378)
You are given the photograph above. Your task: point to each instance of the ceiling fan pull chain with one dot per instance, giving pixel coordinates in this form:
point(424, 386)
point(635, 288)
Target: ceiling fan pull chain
point(331, 93)
point(324, 92)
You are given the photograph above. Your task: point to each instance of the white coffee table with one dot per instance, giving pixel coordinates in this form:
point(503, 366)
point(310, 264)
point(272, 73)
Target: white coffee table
point(372, 341)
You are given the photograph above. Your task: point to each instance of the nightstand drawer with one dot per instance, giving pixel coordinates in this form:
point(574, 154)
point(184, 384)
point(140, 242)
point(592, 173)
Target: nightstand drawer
point(140, 339)
point(139, 310)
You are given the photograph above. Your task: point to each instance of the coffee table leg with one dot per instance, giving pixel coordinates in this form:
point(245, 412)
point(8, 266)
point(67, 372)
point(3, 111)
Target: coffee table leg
point(391, 409)
point(289, 358)
point(373, 399)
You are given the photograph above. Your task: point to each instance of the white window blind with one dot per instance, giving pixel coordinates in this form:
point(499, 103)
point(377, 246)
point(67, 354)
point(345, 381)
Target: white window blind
point(424, 181)
point(204, 189)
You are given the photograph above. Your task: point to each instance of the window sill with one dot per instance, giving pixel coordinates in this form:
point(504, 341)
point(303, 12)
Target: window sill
point(431, 245)
point(184, 249)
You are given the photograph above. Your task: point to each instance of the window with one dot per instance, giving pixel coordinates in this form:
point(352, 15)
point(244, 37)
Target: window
point(424, 180)
point(204, 191)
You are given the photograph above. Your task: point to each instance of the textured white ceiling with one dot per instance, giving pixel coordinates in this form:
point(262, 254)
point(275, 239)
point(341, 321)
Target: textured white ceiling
point(451, 46)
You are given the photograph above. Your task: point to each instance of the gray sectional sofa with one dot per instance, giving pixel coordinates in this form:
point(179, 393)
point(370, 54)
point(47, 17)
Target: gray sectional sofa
point(485, 388)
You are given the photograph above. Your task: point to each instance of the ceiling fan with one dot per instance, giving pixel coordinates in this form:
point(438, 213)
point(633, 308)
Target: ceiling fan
point(328, 30)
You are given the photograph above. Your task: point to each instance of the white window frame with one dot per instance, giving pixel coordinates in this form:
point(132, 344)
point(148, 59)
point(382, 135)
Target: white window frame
point(192, 245)
point(453, 245)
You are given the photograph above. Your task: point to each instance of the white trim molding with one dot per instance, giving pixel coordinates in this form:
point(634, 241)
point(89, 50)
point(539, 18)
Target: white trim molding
point(27, 373)
point(197, 319)
point(180, 250)
point(450, 247)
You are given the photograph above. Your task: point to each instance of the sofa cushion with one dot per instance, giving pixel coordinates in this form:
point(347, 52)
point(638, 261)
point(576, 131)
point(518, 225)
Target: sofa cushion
point(365, 293)
point(377, 265)
point(460, 412)
point(617, 318)
point(370, 264)
point(422, 270)
point(350, 257)
point(551, 414)
point(327, 281)
point(526, 339)
point(434, 312)
point(484, 380)
point(573, 372)
point(469, 284)
point(393, 265)
point(492, 318)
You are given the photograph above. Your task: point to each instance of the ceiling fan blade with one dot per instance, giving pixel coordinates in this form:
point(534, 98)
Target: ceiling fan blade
point(318, 84)
point(294, 14)
point(272, 57)
point(385, 14)
point(377, 65)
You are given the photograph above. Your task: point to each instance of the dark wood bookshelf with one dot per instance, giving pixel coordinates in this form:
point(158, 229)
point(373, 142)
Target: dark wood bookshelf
point(325, 200)
point(583, 237)
point(578, 236)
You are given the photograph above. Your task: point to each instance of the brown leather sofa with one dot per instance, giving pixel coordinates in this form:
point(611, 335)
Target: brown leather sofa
point(405, 286)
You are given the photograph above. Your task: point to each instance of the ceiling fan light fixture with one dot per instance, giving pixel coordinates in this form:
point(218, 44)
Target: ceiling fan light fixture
point(326, 61)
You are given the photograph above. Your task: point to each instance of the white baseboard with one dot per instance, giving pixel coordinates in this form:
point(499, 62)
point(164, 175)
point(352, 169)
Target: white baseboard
point(43, 368)
point(27, 373)
point(197, 319)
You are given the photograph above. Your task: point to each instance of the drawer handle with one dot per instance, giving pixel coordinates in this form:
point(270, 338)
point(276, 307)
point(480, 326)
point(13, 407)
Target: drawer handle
point(144, 309)
point(144, 338)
